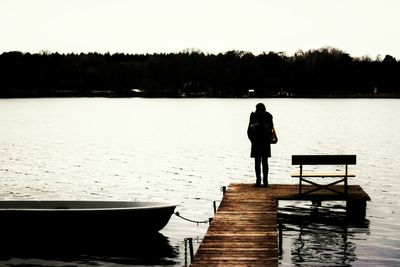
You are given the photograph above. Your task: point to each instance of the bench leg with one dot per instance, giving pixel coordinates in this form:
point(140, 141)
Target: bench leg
point(300, 186)
point(323, 186)
point(300, 178)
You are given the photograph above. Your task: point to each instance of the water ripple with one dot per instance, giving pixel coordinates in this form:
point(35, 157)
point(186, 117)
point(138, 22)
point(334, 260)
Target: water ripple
point(183, 151)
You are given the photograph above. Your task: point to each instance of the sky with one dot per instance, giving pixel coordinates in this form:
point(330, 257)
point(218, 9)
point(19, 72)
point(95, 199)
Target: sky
point(358, 27)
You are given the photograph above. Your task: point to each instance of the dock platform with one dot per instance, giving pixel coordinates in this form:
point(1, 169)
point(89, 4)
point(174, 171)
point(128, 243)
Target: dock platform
point(244, 230)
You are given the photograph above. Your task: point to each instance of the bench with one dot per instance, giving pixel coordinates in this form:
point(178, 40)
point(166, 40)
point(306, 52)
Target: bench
point(341, 176)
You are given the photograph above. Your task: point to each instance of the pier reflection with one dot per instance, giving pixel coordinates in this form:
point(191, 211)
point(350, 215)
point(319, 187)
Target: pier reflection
point(320, 235)
point(154, 249)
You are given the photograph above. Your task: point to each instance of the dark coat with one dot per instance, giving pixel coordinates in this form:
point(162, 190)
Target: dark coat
point(259, 133)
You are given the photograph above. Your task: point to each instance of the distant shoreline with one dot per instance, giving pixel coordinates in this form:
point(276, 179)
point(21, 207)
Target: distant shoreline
point(106, 95)
point(322, 73)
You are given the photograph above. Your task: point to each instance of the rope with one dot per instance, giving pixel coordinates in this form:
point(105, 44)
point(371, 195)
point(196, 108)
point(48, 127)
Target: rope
point(189, 220)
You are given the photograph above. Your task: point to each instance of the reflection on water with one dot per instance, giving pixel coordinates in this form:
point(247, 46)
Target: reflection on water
point(320, 235)
point(323, 244)
point(183, 150)
point(154, 249)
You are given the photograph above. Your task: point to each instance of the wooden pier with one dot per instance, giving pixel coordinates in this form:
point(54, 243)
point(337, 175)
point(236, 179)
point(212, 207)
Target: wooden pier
point(244, 230)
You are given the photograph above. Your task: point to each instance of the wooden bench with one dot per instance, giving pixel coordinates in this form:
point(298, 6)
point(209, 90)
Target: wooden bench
point(306, 177)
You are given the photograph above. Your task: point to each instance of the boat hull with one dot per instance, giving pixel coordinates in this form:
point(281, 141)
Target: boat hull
point(83, 218)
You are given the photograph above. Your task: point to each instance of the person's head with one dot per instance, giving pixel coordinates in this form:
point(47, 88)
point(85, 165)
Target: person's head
point(260, 107)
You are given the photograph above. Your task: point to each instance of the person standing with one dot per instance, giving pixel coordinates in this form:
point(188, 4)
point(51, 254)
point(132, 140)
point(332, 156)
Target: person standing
point(259, 132)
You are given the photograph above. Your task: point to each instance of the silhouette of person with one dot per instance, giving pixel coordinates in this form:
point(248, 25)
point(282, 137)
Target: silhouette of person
point(259, 132)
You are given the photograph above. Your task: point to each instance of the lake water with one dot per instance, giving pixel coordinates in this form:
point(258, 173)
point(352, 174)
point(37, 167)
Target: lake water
point(184, 150)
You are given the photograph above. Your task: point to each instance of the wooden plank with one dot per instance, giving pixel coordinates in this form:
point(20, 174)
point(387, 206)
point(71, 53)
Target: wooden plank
point(244, 230)
point(324, 159)
point(322, 175)
point(290, 192)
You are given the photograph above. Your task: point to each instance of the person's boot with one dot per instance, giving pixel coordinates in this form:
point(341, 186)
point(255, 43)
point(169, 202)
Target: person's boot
point(265, 182)
point(258, 182)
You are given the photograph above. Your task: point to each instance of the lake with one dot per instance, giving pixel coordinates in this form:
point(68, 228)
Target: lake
point(184, 150)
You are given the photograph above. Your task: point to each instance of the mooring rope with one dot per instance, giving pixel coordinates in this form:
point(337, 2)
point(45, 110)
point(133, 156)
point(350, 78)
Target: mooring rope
point(189, 220)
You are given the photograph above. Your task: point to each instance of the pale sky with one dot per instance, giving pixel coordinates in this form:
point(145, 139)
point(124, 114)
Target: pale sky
point(358, 27)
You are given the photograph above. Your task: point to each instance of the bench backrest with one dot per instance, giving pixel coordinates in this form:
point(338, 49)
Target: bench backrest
point(324, 159)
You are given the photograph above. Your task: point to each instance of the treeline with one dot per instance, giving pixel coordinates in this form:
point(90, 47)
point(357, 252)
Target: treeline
point(326, 72)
